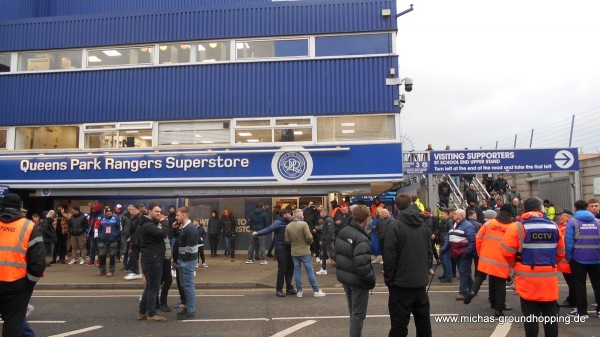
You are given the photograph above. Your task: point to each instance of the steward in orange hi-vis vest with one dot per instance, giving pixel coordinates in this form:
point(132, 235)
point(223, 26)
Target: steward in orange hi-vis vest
point(22, 263)
point(491, 261)
point(534, 246)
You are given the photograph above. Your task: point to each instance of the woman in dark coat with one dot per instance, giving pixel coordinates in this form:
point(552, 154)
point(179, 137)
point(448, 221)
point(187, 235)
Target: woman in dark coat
point(214, 231)
point(229, 225)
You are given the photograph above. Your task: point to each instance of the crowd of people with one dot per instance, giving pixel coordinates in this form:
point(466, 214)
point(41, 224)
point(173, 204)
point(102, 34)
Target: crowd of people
point(528, 239)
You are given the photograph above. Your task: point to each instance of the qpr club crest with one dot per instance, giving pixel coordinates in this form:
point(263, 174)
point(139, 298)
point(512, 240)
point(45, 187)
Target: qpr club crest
point(292, 166)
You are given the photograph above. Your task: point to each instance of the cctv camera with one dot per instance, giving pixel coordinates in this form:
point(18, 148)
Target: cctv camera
point(402, 98)
point(408, 84)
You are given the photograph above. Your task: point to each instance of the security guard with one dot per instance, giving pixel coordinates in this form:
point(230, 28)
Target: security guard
point(534, 246)
point(491, 261)
point(22, 263)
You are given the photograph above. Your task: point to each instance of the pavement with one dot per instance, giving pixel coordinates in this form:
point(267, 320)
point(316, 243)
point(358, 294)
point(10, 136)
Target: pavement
point(221, 273)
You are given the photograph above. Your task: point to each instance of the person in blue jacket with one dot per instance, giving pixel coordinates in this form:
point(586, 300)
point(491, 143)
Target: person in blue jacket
point(108, 234)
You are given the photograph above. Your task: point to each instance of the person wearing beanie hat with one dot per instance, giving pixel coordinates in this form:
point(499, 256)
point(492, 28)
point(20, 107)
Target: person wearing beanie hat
point(491, 261)
point(22, 251)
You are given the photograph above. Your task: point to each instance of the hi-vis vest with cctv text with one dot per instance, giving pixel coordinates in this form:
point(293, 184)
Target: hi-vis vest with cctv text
point(14, 241)
point(538, 243)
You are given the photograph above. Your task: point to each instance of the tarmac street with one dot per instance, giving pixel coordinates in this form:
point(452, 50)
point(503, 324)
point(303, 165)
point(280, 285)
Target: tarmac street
point(235, 299)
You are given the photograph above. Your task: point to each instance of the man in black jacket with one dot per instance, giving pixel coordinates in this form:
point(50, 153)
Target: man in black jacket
point(354, 270)
point(444, 191)
point(152, 246)
point(406, 254)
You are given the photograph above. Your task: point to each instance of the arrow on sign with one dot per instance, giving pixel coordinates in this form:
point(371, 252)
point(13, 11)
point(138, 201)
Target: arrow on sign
point(564, 159)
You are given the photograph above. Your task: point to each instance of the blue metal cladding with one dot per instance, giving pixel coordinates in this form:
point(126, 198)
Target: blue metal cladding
point(288, 88)
point(241, 20)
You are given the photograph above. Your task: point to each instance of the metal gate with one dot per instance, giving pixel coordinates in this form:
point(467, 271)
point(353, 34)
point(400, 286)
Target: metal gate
point(559, 191)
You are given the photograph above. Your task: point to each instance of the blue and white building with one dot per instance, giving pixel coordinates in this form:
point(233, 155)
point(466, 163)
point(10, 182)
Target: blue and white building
point(206, 101)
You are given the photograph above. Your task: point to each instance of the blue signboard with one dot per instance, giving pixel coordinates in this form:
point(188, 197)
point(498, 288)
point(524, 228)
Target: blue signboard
point(216, 167)
point(4, 190)
point(497, 161)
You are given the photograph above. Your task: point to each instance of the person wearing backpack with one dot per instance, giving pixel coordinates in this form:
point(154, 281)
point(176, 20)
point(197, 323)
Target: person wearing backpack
point(533, 247)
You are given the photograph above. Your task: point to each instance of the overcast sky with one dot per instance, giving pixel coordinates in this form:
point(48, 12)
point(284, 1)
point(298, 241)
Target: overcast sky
point(487, 70)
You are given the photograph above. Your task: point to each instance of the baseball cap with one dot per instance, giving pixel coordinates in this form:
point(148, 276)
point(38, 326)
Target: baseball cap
point(564, 211)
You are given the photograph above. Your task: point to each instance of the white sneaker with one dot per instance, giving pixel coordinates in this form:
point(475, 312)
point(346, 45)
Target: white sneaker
point(204, 265)
point(30, 309)
point(322, 272)
point(173, 273)
point(320, 293)
point(264, 262)
point(318, 260)
point(194, 273)
point(299, 294)
point(81, 261)
point(73, 261)
point(249, 261)
point(133, 276)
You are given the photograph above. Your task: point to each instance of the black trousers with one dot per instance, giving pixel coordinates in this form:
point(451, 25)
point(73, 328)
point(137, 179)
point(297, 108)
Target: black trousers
point(580, 273)
point(285, 269)
point(404, 301)
point(166, 280)
point(571, 297)
point(539, 309)
point(497, 293)
point(14, 297)
point(213, 240)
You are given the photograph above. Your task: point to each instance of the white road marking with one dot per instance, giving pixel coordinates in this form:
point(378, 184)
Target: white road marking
point(113, 296)
point(501, 330)
point(47, 322)
point(227, 320)
point(294, 328)
point(342, 317)
point(75, 332)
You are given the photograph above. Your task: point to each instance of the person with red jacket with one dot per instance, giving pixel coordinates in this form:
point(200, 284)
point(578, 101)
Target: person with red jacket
point(533, 247)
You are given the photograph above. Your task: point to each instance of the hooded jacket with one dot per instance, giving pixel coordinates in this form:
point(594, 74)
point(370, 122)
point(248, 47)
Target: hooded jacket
point(407, 250)
point(48, 231)
point(278, 227)
point(589, 255)
point(353, 257)
point(259, 219)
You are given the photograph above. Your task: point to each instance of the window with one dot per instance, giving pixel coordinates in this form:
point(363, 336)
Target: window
point(46, 137)
point(118, 135)
point(270, 49)
point(111, 57)
point(364, 44)
point(3, 134)
point(4, 62)
point(273, 130)
point(49, 60)
point(174, 53)
point(194, 133)
point(356, 128)
point(213, 51)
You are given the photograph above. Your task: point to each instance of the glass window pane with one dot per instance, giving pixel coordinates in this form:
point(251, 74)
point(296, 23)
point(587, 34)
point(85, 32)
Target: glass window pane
point(101, 140)
point(100, 126)
point(46, 137)
point(135, 125)
point(3, 133)
point(120, 56)
point(49, 60)
point(267, 49)
point(253, 122)
point(293, 135)
point(254, 136)
point(194, 133)
point(175, 53)
point(4, 62)
point(350, 128)
point(213, 51)
point(135, 138)
point(353, 44)
point(299, 121)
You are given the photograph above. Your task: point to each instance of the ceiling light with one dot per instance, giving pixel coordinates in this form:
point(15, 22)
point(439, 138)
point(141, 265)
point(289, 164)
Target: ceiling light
point(298, 133)
point(163, 47)
point(111, 52)
point(94, 58)
point(174, 142)
point(146, 137)
point(206, 142)
point(244, 134)
point(347, 131)
point(253, 141)
point(184, 46)
point(201, 48)
point(198, 135)
point(347, 124)
point(212, 45)
point(144, 49)
point(241, 45)
point(131, 131)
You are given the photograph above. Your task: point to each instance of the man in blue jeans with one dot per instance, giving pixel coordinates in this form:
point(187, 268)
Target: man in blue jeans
point(442, 231)
point(460, 243)
point(188, 257)
point(297, 234)
point(152, 245)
